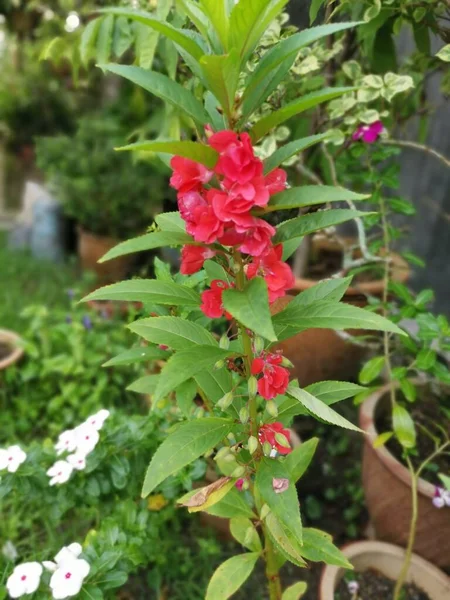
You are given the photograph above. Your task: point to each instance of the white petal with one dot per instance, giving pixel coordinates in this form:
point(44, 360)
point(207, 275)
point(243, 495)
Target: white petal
point(68, 580)
point(76, 549)
point(86, 438)
point(25, 579)
point(77, 460)
point(50, 565)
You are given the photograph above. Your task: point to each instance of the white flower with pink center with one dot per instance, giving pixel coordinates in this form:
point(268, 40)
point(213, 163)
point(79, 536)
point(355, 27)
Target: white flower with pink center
point(12, 458)
point(98, 420)
point(66, 554)
point(60, 472)
point(86, 438)
point(24, 579)
point(68, 578)
point(77, 460)
point(66, 442)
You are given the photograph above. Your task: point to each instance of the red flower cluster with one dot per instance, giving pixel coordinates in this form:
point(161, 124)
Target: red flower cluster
point(275, 378)
point(268, 432)
point(224, 214)
point(212, 300)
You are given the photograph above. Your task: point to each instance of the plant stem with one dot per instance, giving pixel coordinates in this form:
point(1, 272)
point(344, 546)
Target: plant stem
point(272, 573)
point(416, 146)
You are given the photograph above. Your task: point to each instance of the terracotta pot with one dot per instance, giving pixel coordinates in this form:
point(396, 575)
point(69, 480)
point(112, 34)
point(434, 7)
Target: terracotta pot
point(92, 247)
point(387, 488)
point(10, 339)
point(320, 354)
point(388, 560)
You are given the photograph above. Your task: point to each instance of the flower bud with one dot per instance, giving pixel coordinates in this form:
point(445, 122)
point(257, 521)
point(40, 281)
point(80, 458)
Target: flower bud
point(243, 415)
point(252, 444)
point(225, 401)
point(238, 471)
point(265, 510)
point(229, 458)
point(287, 363)
point(258, 345)
point(282, 440)
point(252, 387)
point(267, 449)
point(219, 365)
point(245, 485)
point(224, 342)
point(224, 451)
point(272, 408)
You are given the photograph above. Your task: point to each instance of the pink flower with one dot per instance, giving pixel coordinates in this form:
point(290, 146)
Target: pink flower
point(275, 378)
point(193, 257)
point(228, 207)
point(188, 175)
point(268, 432)
point(368, 133)
point(441, 498)
point(201, 221)
point(239, 484)
point(255, 192)
point(278, 274)
point(276, 181)
point(252, 236)
point(212, 305)
point(237, 161)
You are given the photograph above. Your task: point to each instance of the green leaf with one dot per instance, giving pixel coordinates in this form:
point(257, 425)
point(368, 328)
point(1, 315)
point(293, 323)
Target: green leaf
point(217, 13)
point(309, 195)
point(195, 151)
point(113, 579)
point(328, 315)
point(291, 149)
point(222, 76)
point(307, 224)
point(404, 428)
point(265, 124)
point(318, 547)
point(146, 43)
point(295, 592)
point(212, 105)
point(300, 458)
point(147, 290)
point(185, 395)
point(409, 389)
point(371, 369)
point(231, 574)
point(149, 241)
point(105, 38)
point(331, 290)
point(214, 383)
point(88, 38)
point(163, 87)
point(316, 5)
point(284, 540)
point(175, 332)
point(251, 307)
point(331, 392)
point(196, 15)
point(186, 364)
point(178, 36)
point(233, 505)
point(243, 531)
point(123, 36)
point(382, 439)
point(445, 480)
point(215, 271)
point(426, 359)
point(191, 440)
point(248, 22)
point(444, 53)
point(136, 355)
point(144, 385)
point(319, 409)
point(285, 506)
point(171, 222)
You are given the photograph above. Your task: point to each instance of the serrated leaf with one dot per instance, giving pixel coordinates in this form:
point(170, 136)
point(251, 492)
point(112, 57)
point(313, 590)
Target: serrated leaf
point(186, 444)
point(222, 76)
point(244, 532)
point(88, 40)
point(175, 332)
point(215, 271)
point(284, 540)
point(296, 591)
point(162, 86)
point(291, 149)
point(314, 8)
point(185, 364)
point(403, 426)
point(123, 36)
point(185, 395)
point(217, 14)
point(105, 38)
point(309, 195)
point(426, 359)
point(144, 385)
point(171, 222)
point(233, 505)
point(318, 547)
point(231, 574)
point(251, 307)
point(319, 409)
point(214, 383)
point(371, 369)
point(149, 241)
point(300, 458)
point(268, 122)
point(331, 290)
point(147, 290)
point(136, 355)
point(195, 151)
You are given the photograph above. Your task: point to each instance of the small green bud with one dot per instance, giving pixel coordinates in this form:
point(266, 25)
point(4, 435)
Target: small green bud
point(282, 440)
point(243, 415)
point(229, 458)
point(208, 453)
point(252, 444)
point(224, 342)
point(219, 365)
point(222, 453)
point(258, 344)
point(267, 449)
point(238, 472)
point(252, 387)
point(230, 436)
point(272, 408)
point(225, 401)
point(265, 510)
point(199, 413)
point(287, 363)
point(245, 484)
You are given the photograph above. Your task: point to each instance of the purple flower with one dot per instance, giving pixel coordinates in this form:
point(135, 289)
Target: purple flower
point(87, 323)
point(368, 133)
point(439, 500)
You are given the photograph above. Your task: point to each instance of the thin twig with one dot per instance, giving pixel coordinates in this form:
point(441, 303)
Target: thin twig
point(421, 147)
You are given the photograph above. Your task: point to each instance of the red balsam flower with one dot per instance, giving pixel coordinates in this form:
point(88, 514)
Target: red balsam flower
point(275, 378)
point(193, 257)
point(212, 305)
point(188, 175)
point(267, 434)
point(278, 274)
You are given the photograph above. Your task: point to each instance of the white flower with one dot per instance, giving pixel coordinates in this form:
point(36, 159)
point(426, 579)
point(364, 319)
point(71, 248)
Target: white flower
point(9, 551)
point(68, 578)
point(98, 420)
point(353, 587)
point(77, 460)
point(86, 438)
point(25, 579)
point(60, 472)
point(68, 553)
point(12, 458)
point(66, 442)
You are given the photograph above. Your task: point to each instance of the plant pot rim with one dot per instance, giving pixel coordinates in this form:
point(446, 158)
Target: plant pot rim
point(330, 573)
point(11, 338)
point(368, 425)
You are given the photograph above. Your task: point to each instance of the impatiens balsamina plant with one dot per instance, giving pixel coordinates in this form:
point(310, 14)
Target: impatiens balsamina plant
point(225, 196)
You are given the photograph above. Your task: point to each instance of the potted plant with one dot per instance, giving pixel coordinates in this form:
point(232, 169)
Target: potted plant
point(10, 348)
point(101, 190)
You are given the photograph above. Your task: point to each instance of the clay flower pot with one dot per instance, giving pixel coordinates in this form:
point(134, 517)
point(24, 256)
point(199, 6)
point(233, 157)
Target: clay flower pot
point(388, 560)
point(387, 488)
point(92, 247)
point(10, 350)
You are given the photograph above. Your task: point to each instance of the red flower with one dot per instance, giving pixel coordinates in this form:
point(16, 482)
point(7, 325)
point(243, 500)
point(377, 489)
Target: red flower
point(276, 181)
point(188, 175)
point(275, 379)
point(267, 434)
point(278, 274)
point(201, 221)
point(237, 161)
point(212, 305)
point(228, 207)
point(253, 236)
point(193, 257)
point(255, 192)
